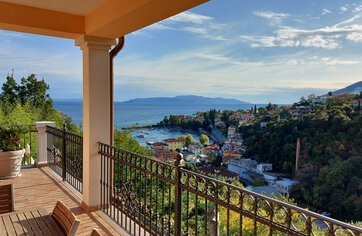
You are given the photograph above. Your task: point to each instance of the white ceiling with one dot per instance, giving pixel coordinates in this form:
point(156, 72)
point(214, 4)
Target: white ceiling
point(77, 7)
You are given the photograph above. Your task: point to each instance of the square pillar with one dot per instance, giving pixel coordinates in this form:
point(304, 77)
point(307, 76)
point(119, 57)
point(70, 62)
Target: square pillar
point(42, 141)
point(96, 113)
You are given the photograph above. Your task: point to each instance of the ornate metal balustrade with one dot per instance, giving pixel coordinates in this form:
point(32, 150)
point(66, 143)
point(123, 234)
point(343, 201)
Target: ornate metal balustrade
point(29, 142)
point(65, 155)
point(148, 197)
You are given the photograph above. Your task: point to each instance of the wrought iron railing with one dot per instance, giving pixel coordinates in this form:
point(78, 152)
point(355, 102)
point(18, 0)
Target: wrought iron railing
point(148, 197)
point(29, 142)
point(65, 155)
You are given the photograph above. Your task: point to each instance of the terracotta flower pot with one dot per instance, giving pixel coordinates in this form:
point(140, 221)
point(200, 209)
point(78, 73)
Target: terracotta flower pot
point(10, 163)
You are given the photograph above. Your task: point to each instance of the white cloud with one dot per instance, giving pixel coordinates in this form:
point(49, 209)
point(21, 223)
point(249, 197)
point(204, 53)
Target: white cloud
point(335, 61)
point(355, 36)
point(344, 8)
point(157, 26)
point(189, 17)
point(205, 33)
point(318, 41)
point(201, 25)
point(326, 12)
point(260, 41)
point(291, 40)
point(207, 70)
point(274, 18)
point(357, 9)
point(329, 37)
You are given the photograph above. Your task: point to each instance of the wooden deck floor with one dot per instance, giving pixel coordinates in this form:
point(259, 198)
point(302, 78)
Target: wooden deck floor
point(40, 188)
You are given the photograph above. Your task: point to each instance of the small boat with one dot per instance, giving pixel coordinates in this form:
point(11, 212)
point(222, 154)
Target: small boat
point(140, 136)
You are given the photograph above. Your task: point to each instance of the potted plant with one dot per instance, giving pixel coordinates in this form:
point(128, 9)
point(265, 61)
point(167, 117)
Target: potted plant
point(11, 154)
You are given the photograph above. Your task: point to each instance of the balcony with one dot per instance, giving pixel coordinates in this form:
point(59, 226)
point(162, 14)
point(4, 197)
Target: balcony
point(142, 196)
point(122, 192)
point(39, 187)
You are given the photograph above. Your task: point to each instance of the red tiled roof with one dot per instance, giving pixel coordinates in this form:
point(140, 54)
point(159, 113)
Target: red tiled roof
point(171, 140)
point(221, 171)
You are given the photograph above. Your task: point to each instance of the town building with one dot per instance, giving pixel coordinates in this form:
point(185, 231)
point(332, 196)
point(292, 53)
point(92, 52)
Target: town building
point(322, 100)
point(196, 148)
point(263, 167)
point(190, 157)
point(283, 186)
point(231, 131)
point(174, 144)
point(232, 154)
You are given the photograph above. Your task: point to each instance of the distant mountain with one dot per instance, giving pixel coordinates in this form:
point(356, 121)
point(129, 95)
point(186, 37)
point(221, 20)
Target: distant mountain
point(185, 100)
point(355, 88)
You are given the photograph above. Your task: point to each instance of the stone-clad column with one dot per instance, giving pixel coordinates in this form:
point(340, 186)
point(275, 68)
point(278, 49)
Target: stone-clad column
point(96, 113)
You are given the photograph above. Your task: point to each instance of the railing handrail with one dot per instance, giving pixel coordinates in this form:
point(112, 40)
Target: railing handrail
point(26, 138)
point(279, 202)
point(68, 161)
point(132, 153)
point(256, 197)
point(50, 128)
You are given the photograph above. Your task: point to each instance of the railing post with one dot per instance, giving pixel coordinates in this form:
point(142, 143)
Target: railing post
point(64, 154)
point(42, 142)
point(177, 216)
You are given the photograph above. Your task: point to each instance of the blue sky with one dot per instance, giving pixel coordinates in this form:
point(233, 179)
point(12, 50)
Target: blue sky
point(255, 51)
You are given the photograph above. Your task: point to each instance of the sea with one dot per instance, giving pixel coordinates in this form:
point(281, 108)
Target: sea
point(129, 115)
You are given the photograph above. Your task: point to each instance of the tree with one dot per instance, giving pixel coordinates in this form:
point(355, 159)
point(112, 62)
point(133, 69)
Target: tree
point(311, 97)
point(216, 160)
point(182, 138)
point(123, 139)
point(31, 90)
point(269, 107)
point(204, 139)
point(9, 91)
point(189, 140)
point(212, 115)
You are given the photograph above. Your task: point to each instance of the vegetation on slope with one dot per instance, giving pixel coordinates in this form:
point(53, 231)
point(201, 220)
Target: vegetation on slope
point(331, 141)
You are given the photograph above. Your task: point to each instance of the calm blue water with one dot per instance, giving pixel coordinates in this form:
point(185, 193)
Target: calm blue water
point(127, 115)
point(159, 134)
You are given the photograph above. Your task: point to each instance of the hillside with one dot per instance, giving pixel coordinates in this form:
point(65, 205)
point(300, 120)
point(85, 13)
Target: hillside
point(185, 100)
point(355, 88)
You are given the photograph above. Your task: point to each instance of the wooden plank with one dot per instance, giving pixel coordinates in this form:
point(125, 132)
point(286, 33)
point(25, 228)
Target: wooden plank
point(17, 225)
point(51, 224)
point(47, 190)
point(63, 216)
point(6, 198)
point(32, 222)
point(25, 224)
point(41, 223)
point(2, 226)
point(63, 208)
point(9, 228)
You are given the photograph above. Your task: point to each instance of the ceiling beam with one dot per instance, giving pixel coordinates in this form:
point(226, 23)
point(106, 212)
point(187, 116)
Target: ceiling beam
point(117, 18)
point(33, 20)
point(113, 19)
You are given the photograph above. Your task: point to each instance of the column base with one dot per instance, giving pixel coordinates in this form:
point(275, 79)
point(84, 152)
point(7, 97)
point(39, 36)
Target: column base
point(88, 209)
point(41, 164)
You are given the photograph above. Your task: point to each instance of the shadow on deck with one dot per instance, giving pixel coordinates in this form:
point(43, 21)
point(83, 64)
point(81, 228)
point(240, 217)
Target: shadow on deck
point(38, 187)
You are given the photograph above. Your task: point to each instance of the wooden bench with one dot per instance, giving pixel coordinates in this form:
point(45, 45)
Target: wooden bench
point(6, 198)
